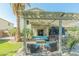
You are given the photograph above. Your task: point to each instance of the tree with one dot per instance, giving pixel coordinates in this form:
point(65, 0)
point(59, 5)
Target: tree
point(12, 32)
point(17, 7)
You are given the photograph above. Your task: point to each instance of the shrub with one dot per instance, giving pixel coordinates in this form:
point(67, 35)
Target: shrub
point(70, 43)
point(12, 32)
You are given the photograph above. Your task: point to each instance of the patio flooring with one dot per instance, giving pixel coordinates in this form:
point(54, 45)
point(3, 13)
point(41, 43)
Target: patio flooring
point(44, 53)
point(56, 53)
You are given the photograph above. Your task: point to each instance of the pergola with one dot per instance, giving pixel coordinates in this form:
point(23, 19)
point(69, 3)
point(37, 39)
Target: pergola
point(40, 14)
point(45, 15)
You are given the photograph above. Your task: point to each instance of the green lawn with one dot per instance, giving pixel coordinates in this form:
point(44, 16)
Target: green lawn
point(9, 48)
point(3, 41)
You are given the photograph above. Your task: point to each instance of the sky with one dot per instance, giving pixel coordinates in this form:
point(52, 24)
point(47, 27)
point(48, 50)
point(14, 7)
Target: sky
point(7, 13)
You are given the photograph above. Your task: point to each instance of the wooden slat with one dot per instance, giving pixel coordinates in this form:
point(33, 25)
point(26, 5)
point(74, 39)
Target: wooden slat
point(50, 15)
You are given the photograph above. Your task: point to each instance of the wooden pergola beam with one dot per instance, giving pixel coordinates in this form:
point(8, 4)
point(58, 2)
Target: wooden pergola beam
point(50, 15)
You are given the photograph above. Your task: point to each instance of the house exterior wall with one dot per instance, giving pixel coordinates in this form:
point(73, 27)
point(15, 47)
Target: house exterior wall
point(5, 25)
point(35, 28)
point(21, 25)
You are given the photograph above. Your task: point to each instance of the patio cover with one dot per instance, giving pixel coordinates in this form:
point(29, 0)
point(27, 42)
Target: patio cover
point(36, 13)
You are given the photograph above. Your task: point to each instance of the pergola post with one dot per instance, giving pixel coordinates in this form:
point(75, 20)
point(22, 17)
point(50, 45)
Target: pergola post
point(60, 37)
point(24, 38)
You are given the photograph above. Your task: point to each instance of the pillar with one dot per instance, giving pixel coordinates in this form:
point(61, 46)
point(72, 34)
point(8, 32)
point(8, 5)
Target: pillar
point(60, 37)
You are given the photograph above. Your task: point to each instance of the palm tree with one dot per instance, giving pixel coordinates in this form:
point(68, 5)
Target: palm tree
point(16, 9)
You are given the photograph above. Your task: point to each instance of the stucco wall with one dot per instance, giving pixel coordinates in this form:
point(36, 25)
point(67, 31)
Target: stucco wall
point(35, 28)
point(5, 25)
point(21, 25)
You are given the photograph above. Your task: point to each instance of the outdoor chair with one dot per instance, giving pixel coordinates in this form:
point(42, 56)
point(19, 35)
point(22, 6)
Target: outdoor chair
point(53, 37)
point(52, 47)
point(33, 48)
